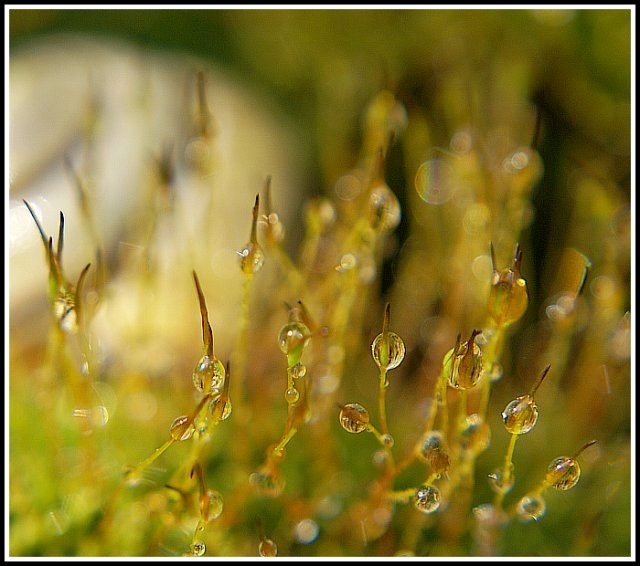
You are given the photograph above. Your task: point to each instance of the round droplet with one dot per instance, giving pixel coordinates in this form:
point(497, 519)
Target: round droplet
point(463, 364)
point(387, 440)
point(563, 473)
point(292, 339)
point(427, 499)
point(211, 504)
point(432, 449)
point(209, 375)
point(521, 415)
point(502, 481)
point(251, 258)
point(197, 548)
point(531, 507)
point(354, 418)
point(267, 548)
point(384, 208)
point(298, 371)
point(475, 434)
point(508, 297)
point(292, 395)
point(388, 350)
point(435, 181)
point(269, 482)
point(215, 410)
point(347, 263)
point(182, 428)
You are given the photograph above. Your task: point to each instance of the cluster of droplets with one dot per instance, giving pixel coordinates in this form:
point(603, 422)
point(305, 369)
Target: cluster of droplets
point(293, 338)
point(563, 473)
point(519, 417)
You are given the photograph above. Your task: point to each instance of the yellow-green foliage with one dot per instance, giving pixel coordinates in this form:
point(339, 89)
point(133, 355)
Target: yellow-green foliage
point(431, 357)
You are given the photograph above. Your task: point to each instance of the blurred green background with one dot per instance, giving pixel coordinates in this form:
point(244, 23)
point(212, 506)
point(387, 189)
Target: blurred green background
point(322, 66)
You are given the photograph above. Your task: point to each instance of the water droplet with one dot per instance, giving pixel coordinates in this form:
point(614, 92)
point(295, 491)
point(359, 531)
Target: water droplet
point(267, 481)
point(347, 263)
point(387, 440)
point(226, 411)
point(427, 499)
point(435, 181)
point(475, 434)
point(211, 504)
point(267, 548)
point(209, 375)
point(306, 531)
point(298, 370)
point(388, 352)
point(292, 339)
point(521, 415)
point(508, 297)
point(432, 449)
point(292, 395)
point(563, 473)
point(463, 363)
point(197, 548)
point(384, 208)
point(354, 418)
point(500, 481)
point(181, 428)
point(251, 258)
point(516, 161)
point(531, 507)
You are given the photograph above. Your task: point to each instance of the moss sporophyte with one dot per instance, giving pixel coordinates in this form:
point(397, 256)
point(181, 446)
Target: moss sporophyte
point(240, 447)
